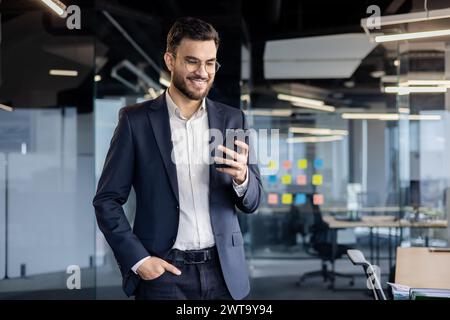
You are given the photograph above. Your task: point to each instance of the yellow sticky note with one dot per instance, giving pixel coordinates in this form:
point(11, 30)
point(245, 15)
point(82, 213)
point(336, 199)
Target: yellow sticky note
point(317, 179)
point(272, 164)
point(302, 163)
point(286, 179)
point(286, 198)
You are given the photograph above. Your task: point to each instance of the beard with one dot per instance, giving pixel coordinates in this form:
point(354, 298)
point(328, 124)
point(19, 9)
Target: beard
point(180, 83)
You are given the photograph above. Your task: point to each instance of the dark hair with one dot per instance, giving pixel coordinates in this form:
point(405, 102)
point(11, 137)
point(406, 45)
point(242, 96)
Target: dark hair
point(191, 28)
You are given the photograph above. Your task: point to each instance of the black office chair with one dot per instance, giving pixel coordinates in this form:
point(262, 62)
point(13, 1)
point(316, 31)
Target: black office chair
point(317, 242)
point(358, 259)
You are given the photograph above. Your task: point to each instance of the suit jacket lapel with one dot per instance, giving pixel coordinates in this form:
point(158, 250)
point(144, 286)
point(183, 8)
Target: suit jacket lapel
point(216, 120)
point(159, 119)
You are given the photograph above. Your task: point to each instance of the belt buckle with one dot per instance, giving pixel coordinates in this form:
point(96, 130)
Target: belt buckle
point(205, 258)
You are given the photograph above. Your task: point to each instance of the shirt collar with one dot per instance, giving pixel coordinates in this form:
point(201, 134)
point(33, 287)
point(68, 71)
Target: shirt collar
point(174, 110)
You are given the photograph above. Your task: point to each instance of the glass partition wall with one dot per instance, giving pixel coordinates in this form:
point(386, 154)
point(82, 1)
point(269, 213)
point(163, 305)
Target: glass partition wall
point(47, 229)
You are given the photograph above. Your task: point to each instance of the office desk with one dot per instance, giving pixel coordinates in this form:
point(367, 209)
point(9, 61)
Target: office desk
point(420, 268)
point(375, 222)
point(382, 222)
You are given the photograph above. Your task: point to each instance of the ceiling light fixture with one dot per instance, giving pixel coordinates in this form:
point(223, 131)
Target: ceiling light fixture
point(416, 89)
point(390, 116)
point(164, 82)
point(324, 107)
point(64, 73)
point(426, 83)
point(426, 15)
point(412, 35)
point(313, 139)
point(269, 112)
point(297, 99)
point(57, 6)
point(318, 131)
point(6, 108)
point(306, 102)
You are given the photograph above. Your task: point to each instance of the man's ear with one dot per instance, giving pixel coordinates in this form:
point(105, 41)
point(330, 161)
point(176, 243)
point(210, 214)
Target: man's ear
point(168, 59)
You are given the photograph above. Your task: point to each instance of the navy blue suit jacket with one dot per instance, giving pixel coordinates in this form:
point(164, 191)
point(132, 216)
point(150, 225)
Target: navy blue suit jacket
point(140, 156)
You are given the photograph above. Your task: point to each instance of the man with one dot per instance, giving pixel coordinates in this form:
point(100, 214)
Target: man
point(186, 242)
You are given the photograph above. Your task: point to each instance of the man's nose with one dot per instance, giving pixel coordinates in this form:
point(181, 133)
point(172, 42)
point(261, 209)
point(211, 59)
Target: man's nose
point(201, 72)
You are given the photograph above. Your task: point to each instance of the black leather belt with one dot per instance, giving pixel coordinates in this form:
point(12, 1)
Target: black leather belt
point(194, 256)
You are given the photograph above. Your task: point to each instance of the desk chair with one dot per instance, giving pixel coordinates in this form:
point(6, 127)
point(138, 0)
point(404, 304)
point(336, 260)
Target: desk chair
point(358, 259)
point(317, 241)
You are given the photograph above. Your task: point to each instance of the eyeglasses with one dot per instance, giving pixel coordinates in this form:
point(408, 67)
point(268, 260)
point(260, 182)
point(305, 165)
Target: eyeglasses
point(193, 65)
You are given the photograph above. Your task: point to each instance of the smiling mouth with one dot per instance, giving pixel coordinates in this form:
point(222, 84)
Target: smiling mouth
point(198, 83)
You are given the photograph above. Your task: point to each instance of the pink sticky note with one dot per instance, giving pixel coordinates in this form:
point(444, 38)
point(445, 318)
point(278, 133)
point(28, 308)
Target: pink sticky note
point(318, 199)
point(287, 164)
point(272, 198)
point(301, 180)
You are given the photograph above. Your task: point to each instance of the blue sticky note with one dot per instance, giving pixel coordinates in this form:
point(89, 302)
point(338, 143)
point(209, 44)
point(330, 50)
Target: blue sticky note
point(273, 179)
point(318, 163)
point(300, 198)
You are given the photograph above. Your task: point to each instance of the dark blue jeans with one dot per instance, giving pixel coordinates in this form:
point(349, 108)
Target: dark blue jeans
point(196, 282)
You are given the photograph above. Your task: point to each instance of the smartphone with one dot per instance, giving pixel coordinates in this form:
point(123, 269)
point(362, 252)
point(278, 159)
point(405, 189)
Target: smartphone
point(231, 135)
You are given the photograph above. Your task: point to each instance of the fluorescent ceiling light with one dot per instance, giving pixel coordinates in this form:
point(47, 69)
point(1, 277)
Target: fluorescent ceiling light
point(408, 18)
point(377, 74)
point(310, 106)
point(6, 108)
point(313, 139)
point(318, 131)
point(296, 99)
point(245, 97)
point(164, 82)
point(65, 73)
point(389, 78)
point(152, 93)
point(403, 110)
point(431, 117)
point(389, 116)
point(412, 35)
point(408, 90)
point(370, 116)
point(269, 112)
point(426, 83)
point(57, 6)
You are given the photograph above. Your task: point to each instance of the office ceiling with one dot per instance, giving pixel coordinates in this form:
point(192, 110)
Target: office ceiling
point(237, 20)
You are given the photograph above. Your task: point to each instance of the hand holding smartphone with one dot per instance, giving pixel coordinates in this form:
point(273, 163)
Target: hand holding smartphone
point(231, 136)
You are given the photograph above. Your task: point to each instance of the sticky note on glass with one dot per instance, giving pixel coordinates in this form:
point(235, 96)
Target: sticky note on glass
point(272, 164)
point(318, 163)
point(286, 198)
point(287, 164)
point(272, 198)
point(317, 179)
point(300, 198)
point(318, 199)
point(302, 163)
point(272, 179)
point(301, 180)
point(286, 179)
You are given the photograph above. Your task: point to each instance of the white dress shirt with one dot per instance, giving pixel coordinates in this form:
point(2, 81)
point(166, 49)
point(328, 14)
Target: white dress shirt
point(190, 141)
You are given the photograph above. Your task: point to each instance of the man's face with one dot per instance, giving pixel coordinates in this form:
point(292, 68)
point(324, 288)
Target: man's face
point(194, 84)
